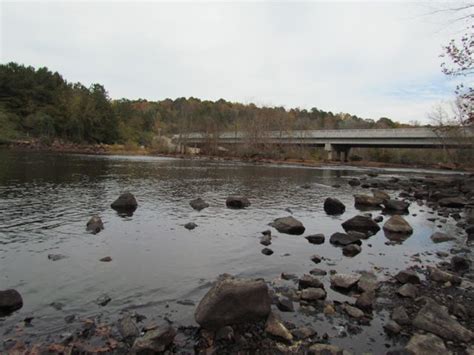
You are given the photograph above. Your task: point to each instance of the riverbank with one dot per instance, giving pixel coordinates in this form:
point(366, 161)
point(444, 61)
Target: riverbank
point(134, 150)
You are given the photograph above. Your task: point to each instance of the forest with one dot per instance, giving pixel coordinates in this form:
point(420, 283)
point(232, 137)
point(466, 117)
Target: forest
point(40, 103)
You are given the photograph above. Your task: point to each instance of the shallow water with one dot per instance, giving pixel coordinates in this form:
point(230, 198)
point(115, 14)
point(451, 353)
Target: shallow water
point(46, 200)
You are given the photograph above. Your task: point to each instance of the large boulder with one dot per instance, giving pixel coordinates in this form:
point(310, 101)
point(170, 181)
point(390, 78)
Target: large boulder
point(435, 319)
point(10, 301)
point(344, 239)
point(396, 206)
point(397, 225)
point(232, 301)
point(362, 224)
point(368, 201)
point(237, 202)
point(333, 206)
point(288, 225)
point(95, 225)
point(198, 204)
point(125, 202)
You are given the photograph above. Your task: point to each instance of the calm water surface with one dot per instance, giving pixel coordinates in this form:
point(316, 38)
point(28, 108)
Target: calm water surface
point(46, 200)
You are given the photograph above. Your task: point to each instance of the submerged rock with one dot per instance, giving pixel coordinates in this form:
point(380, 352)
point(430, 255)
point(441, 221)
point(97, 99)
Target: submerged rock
point(267, 251)
point(439, 237)
point(315, 238)
point(10, 301)
point(125, 202)
point(397, 225)
point(237, 202)
point(332, 206)
point(351, 250)
point(190, 225)
point(232, 301)
point(103, 300)
point(154, 341)
point(95, 225)
point(56, 257)
point(198, 204)
point(361, 224)
point(435, 319)
point(288, 225)
point(266, 240)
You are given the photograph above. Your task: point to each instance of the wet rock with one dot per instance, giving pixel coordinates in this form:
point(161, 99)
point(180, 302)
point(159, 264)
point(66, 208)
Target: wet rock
point(438, 275)
point(332, 206)
point(125, 202)
point(316, 259)
point(276, 329)
point(361, 224)
point(367, 201)
point(313, 294)
point(288, 225)
point(354, 312)
point(407, 276)
point(344, 281)
point(439, 237)
point(329, 310)
point(225, 333)
point(56, 257)
point(435, 319)
point(408, 290)
point(400, 316)
point(190, 226)
point(392, 327)
point(325, 349)
point(10, 301)
point(318, 272)
point(316, 238)
point(198, 204)
point(366, 300)
point(267, 251)
point(284, 304)
point(232, 301)
point(452, 202)
point(351, 250)
point(426, 344)
point(266, 240)
point(267, 232)
point(307, 281)
point(304, 332)
point(288, 276)
point(127, 328)
point(354, 182)
point(94, 225)
point(378, 219)
point(460, 263)
point(344, 239)
point(103, 300)
point(106, 259)
point(397, 224)
point(154, 341)
point(367, 282)
point(69, 318)
point(381, 195)
point(396, 206)
point(237, 202)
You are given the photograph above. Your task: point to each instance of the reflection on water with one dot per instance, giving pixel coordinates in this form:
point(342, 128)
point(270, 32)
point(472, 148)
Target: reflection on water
point(47, 199)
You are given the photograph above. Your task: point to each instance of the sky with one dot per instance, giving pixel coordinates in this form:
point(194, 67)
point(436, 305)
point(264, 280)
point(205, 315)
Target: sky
point(371, 59)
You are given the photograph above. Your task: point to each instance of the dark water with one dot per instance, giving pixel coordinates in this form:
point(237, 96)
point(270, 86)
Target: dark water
point(46, 200)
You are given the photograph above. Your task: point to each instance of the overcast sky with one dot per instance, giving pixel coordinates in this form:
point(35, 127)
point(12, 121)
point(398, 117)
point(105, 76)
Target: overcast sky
point(371, 59)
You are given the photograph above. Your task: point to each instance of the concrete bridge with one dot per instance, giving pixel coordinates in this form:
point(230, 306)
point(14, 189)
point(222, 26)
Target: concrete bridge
point(339, 142)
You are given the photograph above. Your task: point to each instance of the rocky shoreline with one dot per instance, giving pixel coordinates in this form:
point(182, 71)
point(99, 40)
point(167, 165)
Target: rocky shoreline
point(428, 306)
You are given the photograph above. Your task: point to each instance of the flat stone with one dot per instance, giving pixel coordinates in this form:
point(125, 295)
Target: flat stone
point(396, 206)
point(103, 300)
point(367, 282)
point(56, 257)
point(453, 202)
point(266, 240)
point(344, 281)
point(318, 272)
point(316, 259)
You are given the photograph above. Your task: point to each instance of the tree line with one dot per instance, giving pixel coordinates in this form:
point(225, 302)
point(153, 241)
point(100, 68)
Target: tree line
point(41, 103)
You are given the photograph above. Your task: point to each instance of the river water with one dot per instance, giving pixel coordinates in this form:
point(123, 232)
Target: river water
point(46, 200)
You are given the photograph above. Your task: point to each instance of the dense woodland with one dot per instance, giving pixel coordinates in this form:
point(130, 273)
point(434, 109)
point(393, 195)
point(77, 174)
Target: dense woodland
point(41, 103)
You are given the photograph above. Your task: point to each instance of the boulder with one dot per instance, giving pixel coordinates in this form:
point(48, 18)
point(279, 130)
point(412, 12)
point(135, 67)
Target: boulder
point(276, 329)
point(237, 202)
point(333, 206)
point(313, 294)
point(316, 238)
point(233, 301)
point(95, 225)
point(435, 319)
point(452, 202)
point(397, 225)
point(288, 225)
point(10, 301)
point(439, 237)
point(426, 344)
point(351, 250)
point(396, 206)
point(368, 201)
point(344, 281)
point(198, 204)
point(362, 224)
point(344, 239)
point(407, 276)
point(438, 275)
point(125, 202)
point(154, 341)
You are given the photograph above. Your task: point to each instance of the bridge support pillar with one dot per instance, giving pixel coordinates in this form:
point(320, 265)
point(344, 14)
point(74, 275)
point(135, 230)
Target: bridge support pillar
point(328, 147)
point(345, 155)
